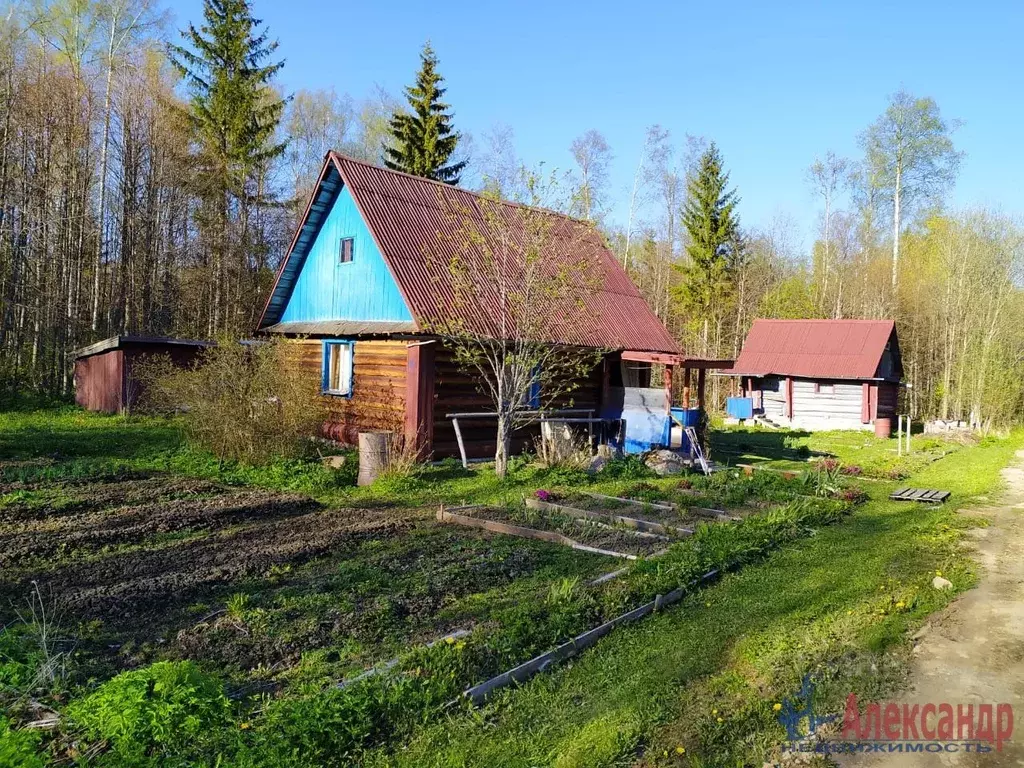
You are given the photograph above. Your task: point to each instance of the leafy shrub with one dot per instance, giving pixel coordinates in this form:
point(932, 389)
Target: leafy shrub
point(630, 467)
point(19, 749)
point(853, 495)
point(331, 728)
point(243, 403)
point(164, 710)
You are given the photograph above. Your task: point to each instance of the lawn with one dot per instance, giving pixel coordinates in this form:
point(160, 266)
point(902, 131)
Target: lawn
point(278, 582)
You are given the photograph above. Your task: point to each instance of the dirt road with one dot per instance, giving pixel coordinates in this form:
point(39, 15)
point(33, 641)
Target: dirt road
point(974, 651)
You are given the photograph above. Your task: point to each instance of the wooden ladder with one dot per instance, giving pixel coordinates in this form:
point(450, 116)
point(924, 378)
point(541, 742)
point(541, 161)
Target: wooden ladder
point(697, 450)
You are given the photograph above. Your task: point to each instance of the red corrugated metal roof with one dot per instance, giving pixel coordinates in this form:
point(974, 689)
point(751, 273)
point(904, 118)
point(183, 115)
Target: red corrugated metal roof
point(422, 227)
point(826, 349)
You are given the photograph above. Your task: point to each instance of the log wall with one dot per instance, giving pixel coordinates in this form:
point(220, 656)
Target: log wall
point(822, 404)
point(378, 387)
point(456, 391)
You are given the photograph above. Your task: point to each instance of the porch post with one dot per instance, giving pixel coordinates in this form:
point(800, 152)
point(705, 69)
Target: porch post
point(701, 379)
point(419, 398)
point(686, 387)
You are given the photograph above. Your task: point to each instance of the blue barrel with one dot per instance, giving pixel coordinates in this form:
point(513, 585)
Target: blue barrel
point(688, 417)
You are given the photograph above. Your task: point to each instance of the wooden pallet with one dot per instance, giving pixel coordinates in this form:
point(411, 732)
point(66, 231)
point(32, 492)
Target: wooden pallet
point(924, 495)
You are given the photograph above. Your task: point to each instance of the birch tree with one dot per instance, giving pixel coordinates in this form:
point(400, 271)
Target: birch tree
point(826, 177)
point(909, 154)
point(523, 283)
point(592, 156)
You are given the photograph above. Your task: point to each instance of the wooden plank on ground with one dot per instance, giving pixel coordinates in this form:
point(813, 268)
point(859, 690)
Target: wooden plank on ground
point(645, 526)
point(920, 495)
point(633, 502)
point(527, 533)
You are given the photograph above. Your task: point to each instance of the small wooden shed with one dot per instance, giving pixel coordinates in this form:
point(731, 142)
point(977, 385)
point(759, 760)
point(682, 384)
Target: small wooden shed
point(103, 371)
point(820, 374)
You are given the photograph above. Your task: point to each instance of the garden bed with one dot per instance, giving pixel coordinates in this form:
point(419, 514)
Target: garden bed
point(552, 525)
point(665, 518)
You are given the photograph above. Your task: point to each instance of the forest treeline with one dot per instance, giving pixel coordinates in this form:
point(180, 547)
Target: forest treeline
point(151, 179)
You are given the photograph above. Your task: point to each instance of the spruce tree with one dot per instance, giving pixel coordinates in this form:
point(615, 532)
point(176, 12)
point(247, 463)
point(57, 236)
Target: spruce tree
point(422, 140)
point(234, 114)
point(709, 216)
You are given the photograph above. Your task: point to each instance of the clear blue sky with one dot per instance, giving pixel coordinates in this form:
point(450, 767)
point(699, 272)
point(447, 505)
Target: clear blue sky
point(773, 83)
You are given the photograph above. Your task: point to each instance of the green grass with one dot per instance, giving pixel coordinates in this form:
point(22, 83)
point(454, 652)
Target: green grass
point(54, 445)
point(838, 605)
point(692, 685)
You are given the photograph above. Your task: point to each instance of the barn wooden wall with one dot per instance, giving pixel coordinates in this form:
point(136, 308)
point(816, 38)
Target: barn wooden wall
point(842, 408)
point(378, 389)
point(98, 381)
point(456, 391)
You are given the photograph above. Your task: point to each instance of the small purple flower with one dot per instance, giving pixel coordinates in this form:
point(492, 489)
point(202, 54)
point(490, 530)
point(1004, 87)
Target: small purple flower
point(543, 495)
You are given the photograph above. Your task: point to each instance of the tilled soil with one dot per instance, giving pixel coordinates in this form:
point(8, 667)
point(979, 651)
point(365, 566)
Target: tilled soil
point(130, 551)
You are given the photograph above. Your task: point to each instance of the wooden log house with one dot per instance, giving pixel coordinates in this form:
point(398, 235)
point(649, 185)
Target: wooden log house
point(366, 272)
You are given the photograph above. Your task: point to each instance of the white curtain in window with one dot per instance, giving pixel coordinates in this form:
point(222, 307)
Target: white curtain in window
point(341, 368)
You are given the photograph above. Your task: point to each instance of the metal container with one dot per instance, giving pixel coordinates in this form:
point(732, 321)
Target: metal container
point(883, 428)
point(374, 455)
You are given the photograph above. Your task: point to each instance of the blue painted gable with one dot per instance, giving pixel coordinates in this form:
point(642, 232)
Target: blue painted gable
point(362, 289)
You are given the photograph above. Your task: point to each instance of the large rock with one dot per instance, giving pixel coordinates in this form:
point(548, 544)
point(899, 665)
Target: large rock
point(940, 583)
point(665, 462)
point(333, 462)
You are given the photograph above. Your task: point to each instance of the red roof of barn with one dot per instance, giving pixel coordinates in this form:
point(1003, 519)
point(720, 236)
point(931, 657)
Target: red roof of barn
point(823, 349)
point(417, 225)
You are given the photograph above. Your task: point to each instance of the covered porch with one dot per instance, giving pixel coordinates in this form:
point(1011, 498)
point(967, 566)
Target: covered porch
point(655, 397)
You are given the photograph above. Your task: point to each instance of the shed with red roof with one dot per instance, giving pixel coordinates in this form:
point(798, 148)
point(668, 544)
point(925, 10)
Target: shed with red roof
point(822, 374)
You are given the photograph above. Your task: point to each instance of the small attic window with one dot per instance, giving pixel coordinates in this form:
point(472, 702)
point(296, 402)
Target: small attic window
point(345, 249)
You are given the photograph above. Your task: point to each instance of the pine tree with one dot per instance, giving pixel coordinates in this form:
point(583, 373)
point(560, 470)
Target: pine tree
point(234, 114)
point(715, 244)
point(422, 140)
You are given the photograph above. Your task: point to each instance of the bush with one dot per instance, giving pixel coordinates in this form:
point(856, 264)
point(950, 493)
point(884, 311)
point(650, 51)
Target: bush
point(19, 749)
point(162, 711)
point(630, 467)
point(243, 403)
point(332, 727)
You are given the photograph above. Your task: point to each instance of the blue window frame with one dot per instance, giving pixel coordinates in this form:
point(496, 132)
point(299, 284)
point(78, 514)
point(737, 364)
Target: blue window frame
point(533, 396)
point(337, 367)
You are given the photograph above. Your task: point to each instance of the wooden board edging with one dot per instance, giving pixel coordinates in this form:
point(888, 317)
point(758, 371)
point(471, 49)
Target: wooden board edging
point(643, 526)
point(526, 533)
point(479, 693)
point(633, 502)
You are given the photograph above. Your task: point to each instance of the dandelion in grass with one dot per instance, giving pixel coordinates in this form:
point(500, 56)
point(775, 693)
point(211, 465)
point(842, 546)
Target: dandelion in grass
point(777, 707)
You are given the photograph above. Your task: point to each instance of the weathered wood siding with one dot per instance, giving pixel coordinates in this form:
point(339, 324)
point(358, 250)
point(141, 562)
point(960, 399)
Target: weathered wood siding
point(456, 391)
point(886, 400)
point(836, 405)
point(773, 397)
point(104, 381)
point(99, 384)
point(822, 404)
point(378, 387)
